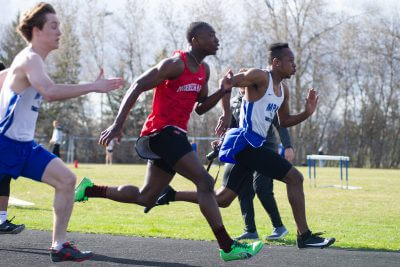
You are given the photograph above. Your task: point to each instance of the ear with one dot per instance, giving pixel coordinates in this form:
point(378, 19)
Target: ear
point(35, 31)
point(194, 40)
point(276, 62)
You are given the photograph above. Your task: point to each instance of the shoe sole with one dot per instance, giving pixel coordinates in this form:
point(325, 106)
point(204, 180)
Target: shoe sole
point(84, 259)
point(76, 260)
point(278, 237)
point(321, 247)
point(329, 243)
point(258, 250)
point(15, 231)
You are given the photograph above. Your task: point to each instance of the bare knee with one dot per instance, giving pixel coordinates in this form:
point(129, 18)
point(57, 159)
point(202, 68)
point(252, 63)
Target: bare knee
point(206, 184)
point(294, 177)
point(68, 182)
point(224, 202)
point(129, 193)
point(225, 197)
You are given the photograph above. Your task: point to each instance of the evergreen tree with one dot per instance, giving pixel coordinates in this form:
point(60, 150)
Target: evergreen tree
point(11, 43)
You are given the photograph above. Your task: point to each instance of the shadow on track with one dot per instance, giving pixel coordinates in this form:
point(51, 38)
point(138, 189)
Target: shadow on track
point(103, 258)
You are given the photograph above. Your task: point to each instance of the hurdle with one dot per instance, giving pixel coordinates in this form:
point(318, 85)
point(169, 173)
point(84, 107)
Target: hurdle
point(312, 161)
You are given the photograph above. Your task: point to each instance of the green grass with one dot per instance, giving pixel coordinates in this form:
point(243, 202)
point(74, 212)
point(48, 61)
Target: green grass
point(368, 218)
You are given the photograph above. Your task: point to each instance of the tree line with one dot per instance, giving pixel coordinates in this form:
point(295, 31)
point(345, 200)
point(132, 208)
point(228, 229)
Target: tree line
point(352, 60)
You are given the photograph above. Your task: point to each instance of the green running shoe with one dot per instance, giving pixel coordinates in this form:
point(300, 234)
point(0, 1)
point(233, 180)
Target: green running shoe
point(81, 188)
point(241, 251)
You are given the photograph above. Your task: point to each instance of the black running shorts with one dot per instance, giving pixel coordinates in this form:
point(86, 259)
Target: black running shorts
point(250, 159)
point(5, 181)
point(170, 145)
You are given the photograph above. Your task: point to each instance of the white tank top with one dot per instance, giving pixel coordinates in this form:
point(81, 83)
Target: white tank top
point(18, 113)
point(258, 116)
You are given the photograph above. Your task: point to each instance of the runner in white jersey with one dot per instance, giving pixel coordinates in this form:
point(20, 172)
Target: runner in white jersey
point(25, 85)
point(19, 112)
point(6, 226)
point(264, 96)
point(255, 119)
point(258, 117)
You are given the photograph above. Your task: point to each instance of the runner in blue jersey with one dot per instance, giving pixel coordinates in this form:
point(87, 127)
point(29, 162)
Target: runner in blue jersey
point(6, 226)
point(25, 85)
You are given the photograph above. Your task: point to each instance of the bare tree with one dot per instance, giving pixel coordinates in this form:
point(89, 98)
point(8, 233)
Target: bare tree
point(308, 27)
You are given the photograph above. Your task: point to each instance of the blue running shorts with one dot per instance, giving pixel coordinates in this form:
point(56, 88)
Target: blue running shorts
point(26, 159)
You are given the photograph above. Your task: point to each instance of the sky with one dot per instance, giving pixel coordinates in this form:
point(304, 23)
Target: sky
point(10, 8)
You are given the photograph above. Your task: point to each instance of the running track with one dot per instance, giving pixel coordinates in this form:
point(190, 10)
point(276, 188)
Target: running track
point(29, 249)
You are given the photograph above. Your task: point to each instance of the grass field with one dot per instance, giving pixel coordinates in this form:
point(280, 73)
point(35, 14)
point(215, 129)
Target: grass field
point(368, 218)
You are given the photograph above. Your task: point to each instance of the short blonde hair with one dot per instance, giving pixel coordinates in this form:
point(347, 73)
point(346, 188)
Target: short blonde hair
point(35, 17)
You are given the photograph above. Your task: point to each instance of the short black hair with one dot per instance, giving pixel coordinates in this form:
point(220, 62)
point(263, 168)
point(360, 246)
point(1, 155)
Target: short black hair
point(275, 51)
point(2, 66)
point(193, 29)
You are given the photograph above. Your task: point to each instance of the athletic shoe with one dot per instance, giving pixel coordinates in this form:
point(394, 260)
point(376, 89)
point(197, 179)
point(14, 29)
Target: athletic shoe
point(278, 233)
point(69, 253)
point(166, 196)
point(9, 228)
point(241, 251)
point(310, 240)
point(81, 188)
point(248, 235)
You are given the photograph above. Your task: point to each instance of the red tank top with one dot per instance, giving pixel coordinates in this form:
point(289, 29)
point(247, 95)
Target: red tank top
point(173, 100)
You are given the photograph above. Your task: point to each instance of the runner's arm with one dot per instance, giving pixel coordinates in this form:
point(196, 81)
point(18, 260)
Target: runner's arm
point(206, 102)
point(3, 74)
point(34, 69)
point(286, 119)
point(250, 78)
point(169, 68)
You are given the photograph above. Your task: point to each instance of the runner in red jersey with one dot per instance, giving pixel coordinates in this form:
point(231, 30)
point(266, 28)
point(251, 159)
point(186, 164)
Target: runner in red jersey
point(181, 85)
point(174, 99)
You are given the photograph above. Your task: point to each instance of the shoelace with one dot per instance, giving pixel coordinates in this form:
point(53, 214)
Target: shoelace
point(318, 233)
point(9, 221)
point(242, 245)
point(71, 244)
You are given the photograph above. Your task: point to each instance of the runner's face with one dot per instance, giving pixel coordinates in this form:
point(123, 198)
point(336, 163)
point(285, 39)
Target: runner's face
point(50, 34)
point(207, 40)
point(287, 66)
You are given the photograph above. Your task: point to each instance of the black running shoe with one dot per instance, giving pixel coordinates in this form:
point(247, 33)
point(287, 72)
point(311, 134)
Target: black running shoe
point(9, 228)
point(310, 240)
point(166, 196)
point(69, 253)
